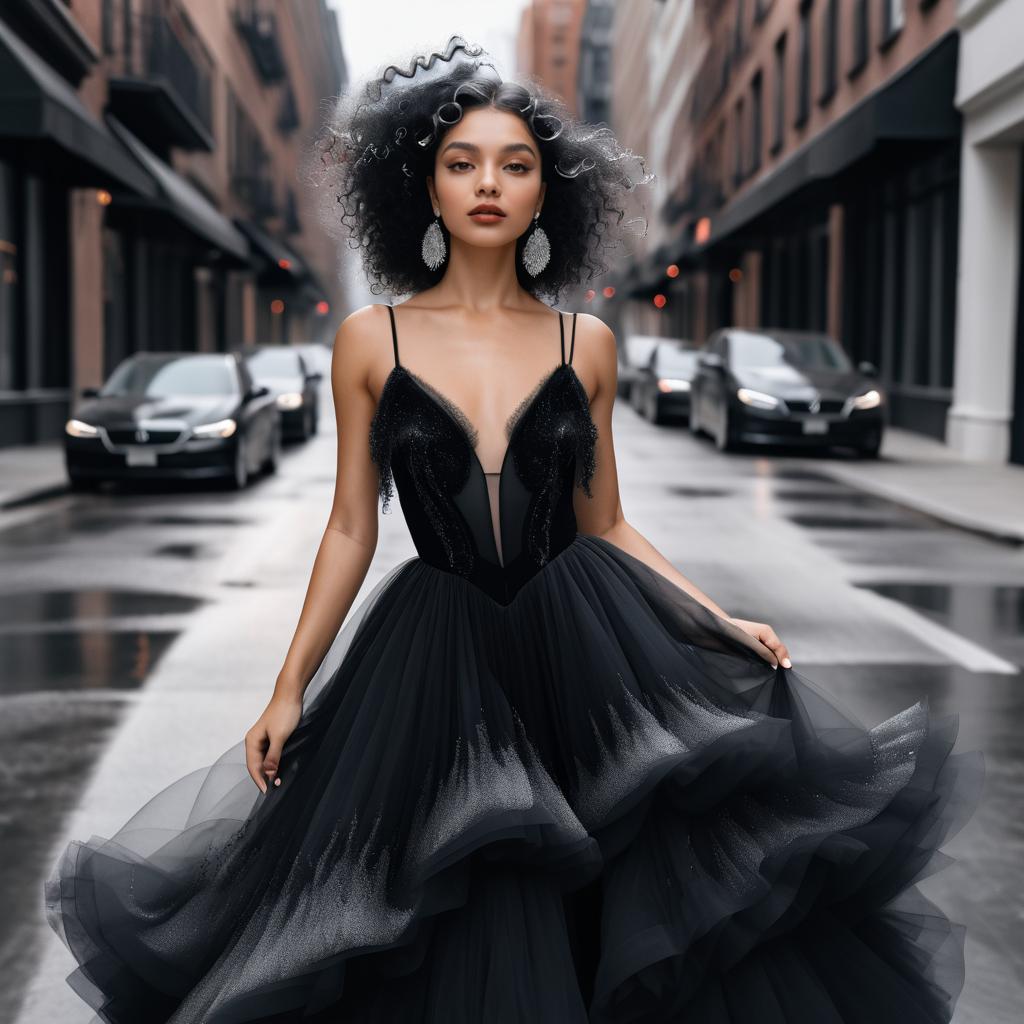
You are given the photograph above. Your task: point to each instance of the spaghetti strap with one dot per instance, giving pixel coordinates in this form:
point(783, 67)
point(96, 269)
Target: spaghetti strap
point(572, 341)
point(394, 332)
point(561, 332)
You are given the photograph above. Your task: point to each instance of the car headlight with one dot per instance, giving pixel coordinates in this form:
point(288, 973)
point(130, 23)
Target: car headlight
point(289, 400)
point(758, 399)
point(673, 384)
point(79, 428)
point(222, 428)
point(866, 401)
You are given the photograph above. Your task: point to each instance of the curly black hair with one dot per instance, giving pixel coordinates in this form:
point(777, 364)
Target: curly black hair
point(371, 162)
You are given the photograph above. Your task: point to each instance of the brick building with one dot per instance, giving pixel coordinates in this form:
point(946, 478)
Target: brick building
point(810, 155)
point(150, 187)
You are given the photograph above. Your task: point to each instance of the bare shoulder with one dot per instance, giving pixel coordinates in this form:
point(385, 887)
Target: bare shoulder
point(358, 345)
point(595, 343)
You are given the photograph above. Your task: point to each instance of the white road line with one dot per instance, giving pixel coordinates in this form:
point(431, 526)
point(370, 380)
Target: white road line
point(953, 646)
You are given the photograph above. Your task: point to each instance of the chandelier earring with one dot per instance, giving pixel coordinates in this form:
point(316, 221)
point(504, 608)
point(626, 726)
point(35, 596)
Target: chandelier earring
point(537, 250)
point(434, 249)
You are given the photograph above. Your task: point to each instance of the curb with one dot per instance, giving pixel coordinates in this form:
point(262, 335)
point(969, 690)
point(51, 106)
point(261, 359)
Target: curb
point(937, 510)
point(31, 497)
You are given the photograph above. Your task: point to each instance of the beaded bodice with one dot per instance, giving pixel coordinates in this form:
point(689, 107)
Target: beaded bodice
point(497, 530)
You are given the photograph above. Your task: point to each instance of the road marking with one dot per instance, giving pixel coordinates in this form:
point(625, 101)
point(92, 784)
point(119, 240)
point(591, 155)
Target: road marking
point(953, 646)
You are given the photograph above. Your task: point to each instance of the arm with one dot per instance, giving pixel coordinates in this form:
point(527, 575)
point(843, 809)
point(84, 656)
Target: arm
point(345, 551)
point(602, 514)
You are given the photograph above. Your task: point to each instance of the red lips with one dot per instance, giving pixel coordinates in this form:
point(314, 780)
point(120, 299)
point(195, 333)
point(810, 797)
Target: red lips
point(487, 208)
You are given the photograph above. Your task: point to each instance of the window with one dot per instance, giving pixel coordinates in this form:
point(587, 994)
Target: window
point(737, 39)
point(829, 45)
point(803, 80)
point(860, 36)
point(755, 122)
point(780, 93)
point(893, 17)
point(107, 15)
point(737, 165)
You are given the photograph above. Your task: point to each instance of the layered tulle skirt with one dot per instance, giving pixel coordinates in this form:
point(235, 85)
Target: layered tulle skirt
point(599, 803)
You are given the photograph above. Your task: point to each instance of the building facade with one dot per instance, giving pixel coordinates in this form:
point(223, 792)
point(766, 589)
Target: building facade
point(986, 420)
point(151, 191)
point(812, 174)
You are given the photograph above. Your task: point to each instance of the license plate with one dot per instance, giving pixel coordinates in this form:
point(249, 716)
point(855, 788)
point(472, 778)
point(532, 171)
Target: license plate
point(815, 426)
point(140, 457)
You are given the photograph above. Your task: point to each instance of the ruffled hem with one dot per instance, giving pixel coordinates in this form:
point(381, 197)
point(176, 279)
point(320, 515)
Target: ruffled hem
point(598, 803)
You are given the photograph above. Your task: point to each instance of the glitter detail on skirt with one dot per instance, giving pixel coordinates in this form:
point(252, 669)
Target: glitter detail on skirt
point(596, 803)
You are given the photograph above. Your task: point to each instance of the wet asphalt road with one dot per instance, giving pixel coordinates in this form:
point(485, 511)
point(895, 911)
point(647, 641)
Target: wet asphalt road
point(117, 604)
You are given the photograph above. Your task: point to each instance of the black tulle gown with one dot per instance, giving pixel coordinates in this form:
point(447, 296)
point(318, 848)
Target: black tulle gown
point(534, 782)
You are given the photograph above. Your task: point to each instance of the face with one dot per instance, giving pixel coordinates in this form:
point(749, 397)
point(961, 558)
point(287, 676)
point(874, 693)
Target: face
point(488, 157)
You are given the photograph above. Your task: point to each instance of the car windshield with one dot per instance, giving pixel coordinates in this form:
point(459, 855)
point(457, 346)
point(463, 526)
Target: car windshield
point(673, 360)
point(275, 362)
point(811, 352)
point(163, 378)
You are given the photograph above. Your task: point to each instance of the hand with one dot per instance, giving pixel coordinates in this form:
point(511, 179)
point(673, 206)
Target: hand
point(766, 635)
point(264, 741)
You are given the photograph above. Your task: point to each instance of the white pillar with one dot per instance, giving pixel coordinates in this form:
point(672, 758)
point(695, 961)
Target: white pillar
point(978, 423)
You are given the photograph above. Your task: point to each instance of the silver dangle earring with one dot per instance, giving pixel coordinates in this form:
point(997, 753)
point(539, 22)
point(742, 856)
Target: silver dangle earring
point(537, 250)
point(434, 249)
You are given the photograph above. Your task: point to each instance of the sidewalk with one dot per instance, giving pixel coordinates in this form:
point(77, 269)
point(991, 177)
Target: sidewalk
point(924, 474)
point(913, 470)
point(31, 472)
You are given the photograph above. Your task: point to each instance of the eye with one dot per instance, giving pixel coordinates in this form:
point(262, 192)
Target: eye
point(465, 163)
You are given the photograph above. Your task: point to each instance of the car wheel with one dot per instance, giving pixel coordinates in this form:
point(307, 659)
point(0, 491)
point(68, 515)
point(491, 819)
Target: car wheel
point(723, 436)
point(273, 459)
point(693, 418)
point(83, 484)
point(652, 410)
point(239, 478)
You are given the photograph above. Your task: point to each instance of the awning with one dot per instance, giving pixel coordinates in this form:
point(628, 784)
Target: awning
point(38, 107)
point(176, 198)
point(917, 105)
point(280, 260)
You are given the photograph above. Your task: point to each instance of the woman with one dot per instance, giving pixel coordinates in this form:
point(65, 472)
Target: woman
point(539, 776)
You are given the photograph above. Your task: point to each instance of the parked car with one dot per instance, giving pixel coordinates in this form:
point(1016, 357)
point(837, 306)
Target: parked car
point(173, 415)
point(661, 391)
point(785, 387)
point(294, 384)
point(317, 356)
point(634, 352)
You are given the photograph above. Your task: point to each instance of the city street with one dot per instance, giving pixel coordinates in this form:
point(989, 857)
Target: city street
point(142, 631)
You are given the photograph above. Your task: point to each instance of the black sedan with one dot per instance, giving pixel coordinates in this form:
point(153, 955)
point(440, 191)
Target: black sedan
point(661, 390)
point(293, 382)
point(788, 387)
point(174, 415)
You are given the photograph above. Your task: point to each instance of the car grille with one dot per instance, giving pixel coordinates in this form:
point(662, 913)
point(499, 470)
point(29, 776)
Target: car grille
point(127, 435)
point(803, 405)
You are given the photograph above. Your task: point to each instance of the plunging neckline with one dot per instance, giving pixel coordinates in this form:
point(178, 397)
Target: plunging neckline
point(465, 426)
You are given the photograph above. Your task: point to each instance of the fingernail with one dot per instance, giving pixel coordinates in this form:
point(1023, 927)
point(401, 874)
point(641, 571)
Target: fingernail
point(277, 782)
point(787, 663)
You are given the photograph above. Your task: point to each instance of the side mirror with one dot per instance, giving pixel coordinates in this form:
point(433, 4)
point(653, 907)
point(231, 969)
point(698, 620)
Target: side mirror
point(712, 360)
point(867, 368)
point(316, 375)
point(90, 392)
point(257, 391)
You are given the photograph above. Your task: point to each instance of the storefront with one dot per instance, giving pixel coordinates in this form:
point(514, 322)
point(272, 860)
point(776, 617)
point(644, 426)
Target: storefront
point(50, 144)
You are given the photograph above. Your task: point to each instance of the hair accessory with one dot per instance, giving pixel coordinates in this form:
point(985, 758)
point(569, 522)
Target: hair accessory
point(537, 250)
point(421, 69)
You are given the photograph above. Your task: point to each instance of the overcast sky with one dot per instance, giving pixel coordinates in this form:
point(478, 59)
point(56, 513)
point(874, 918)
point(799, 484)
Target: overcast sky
point(380, 32)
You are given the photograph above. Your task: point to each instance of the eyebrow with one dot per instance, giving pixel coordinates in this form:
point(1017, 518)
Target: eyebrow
point(512, 147)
